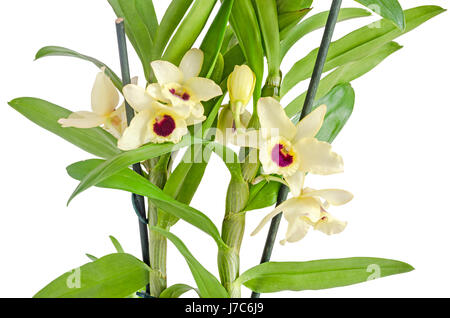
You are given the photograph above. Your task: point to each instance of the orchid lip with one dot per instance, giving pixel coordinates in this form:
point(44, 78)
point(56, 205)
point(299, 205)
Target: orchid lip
point(281, 157)
point(164, 126)
point(184, 96)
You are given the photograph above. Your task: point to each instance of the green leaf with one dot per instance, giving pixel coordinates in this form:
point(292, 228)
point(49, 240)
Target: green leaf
point(147, 12)
point(125, 159)
point(184, 181)
point(340, 101)
point(213, 40)
point(358, 44)
point(284, 6)
point(116, 244)
point(91, 257)
point(170, 21)
point(93, 140)
point(288, 20)
point(268, 22)
point(245, 25)
point(262, 195)
point(208, 285)
point(130, 181)
point(112, 276)
point(234, 56)
point(175, 291)
point(317, 21)
point(321, 274)
point(141, 38)
point(345, 74)
point(389, 9)
point(62, 51)
point(189, 30)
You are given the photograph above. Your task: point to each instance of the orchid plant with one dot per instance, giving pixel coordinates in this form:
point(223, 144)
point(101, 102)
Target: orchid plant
point(206, 101)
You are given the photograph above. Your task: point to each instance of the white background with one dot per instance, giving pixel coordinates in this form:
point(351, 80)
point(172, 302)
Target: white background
point(395, 148)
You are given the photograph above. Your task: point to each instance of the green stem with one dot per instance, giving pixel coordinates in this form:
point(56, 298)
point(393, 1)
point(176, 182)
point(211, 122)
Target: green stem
point(158, 175)
point(233, 228)
point(307, 107)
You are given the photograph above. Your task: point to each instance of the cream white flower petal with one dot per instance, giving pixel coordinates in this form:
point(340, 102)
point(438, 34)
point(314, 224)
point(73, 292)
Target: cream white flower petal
point(273, 119)
point(317, 157)
point(104, 95)
point(191, 120)
point(297, 230)
point(311, 124)
point(156, 92)
point(165, 72)
point(332, 196)
point(295, 182)
point(299, 207)
point(138, 132)
point(116, 123)
point(203, 89)
point(191, 64)
point(137, 97)
point(268, 217)
point(82, 119)
point(331, 225)
point(249, 138)
point(198, 110)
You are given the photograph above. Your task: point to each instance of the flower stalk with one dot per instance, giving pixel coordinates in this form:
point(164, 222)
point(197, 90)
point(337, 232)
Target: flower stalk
point(307, 107)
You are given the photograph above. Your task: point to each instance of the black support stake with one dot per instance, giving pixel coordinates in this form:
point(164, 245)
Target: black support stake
point(138, 201)
point(307, 107)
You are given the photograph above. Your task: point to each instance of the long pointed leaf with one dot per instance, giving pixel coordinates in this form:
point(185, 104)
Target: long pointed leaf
point(146, 11)
point(189, 30)
point(345, 74)
point(316, 22)
point(207, 283)
point(171, 19)
point(176, 291)
point(358, 44)
point(93, 140)
point(112, 276)
point(213, 40)
point(321, 274)
point(125, 159)
point(245, 25)
point(389, 9)
point(128, 180)
point(62, 51)
point(268, 22)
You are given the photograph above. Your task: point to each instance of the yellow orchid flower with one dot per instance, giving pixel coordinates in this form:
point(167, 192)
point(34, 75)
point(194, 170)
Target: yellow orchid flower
point(308, 210)
point(104, 100)
point(181, 86)
point(287, 149)
point(154, 122)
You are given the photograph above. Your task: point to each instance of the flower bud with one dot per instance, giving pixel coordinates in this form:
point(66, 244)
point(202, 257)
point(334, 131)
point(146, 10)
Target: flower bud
point(241, 84)
point(226, 124)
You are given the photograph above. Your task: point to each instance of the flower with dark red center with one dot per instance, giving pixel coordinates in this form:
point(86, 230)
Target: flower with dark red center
point(155, 123)
point(181, 87)
point(290, 150)
point(164, 126)
point(281, 156)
